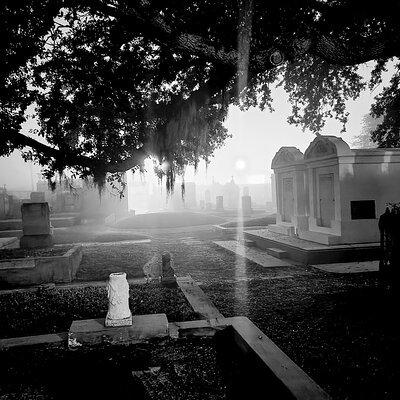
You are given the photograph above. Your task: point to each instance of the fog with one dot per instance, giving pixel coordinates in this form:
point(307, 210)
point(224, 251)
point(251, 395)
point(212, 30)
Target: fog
point(256, 136)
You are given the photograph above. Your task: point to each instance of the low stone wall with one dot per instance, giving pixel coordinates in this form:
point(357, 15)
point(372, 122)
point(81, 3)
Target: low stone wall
point(10, 224)
point(39, 270)
point(9, 243)
point(63, 222)
point(57, 221)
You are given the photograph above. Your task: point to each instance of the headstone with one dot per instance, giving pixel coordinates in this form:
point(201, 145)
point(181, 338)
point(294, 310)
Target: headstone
point(59, 202)
point(190, 195)
point(69, 202)
point(220, 203)
point(37, 197)
point(37, 231)
point(118, 313)
point(168, 277)
point(202, 204)
point(153, 269)
point(231, 193)
point(16, 208)
point(246, 205)
point(208, 206)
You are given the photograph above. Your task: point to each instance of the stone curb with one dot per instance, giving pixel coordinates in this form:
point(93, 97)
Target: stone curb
point(199, 301)
point(276, 367)
point(33, 340)
point(42, 269)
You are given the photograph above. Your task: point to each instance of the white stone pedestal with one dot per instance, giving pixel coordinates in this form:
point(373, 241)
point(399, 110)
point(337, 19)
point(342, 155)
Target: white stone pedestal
point(118, 313)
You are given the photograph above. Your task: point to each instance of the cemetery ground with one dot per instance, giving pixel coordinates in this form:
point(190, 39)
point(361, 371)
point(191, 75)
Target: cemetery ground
point(339, 328)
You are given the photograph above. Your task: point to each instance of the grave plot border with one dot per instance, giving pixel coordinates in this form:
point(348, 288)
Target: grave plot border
point(41, 270)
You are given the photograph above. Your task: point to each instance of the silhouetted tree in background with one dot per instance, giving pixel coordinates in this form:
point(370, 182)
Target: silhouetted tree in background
point(369, 125)
point(113, 82)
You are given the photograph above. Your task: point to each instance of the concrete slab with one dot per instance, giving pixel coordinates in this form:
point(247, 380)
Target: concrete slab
point(93, 331)
point(301, 243)
point(306, 252)
point(200, 303)
point(246, 242)
point(196, 328)
point(252, 253)
point(278, 253)
point(33, 340)
point(349, 267)
point(9, 243)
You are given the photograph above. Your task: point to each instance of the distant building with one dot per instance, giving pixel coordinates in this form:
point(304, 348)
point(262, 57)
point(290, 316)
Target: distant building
point(231, 193)
point(190, 195)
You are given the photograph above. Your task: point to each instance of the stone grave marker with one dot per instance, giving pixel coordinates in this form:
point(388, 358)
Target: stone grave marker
point(118, 313)
point(168, 277)
point(37, 230)
point(220, 203)
point(37, 197)
point(246, 205)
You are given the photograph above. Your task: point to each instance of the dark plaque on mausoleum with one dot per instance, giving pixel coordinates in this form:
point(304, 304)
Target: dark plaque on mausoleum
point(363, 209)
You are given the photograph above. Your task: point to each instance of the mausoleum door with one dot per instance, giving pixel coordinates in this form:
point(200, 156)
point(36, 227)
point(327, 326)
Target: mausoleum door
point(288, 199)
point(326, 199)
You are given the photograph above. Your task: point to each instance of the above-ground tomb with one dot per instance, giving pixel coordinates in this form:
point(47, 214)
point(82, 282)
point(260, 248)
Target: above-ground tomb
point(332, 194)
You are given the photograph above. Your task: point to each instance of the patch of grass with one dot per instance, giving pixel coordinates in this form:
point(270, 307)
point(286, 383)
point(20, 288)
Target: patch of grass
point(53, 310)
point(185, 370)
point(93, 233)
point(99, 261)
point(339, 328)
point(168, 220)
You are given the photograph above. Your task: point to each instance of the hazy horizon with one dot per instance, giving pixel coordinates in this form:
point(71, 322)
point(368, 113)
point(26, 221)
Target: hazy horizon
point(256, 137)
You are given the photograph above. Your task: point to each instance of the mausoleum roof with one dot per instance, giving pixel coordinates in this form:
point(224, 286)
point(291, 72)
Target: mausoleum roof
point(286, 156)
point(324, 146)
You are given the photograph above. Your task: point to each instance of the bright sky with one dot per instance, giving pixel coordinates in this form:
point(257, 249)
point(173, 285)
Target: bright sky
point(257, 136)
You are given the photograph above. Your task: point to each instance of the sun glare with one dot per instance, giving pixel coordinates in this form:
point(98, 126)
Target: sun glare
point(240, 164)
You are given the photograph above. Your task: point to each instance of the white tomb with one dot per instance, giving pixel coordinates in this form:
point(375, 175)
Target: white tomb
point(333, 194)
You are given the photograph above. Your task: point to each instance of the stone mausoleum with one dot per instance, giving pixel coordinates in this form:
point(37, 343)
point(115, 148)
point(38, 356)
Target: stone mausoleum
point(332, 194)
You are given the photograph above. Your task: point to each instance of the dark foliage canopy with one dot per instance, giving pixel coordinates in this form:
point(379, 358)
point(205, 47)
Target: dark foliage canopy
point(113, 82)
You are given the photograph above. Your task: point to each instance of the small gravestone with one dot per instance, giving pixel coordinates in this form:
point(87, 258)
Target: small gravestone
point(246, 205)
point(37, 231)
point(37, 197)
point(202, 204)
point(208, 206)
point(69, 202)
point(118, 313)
point(220, 203)
point(168, 277)
point(153, 269)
